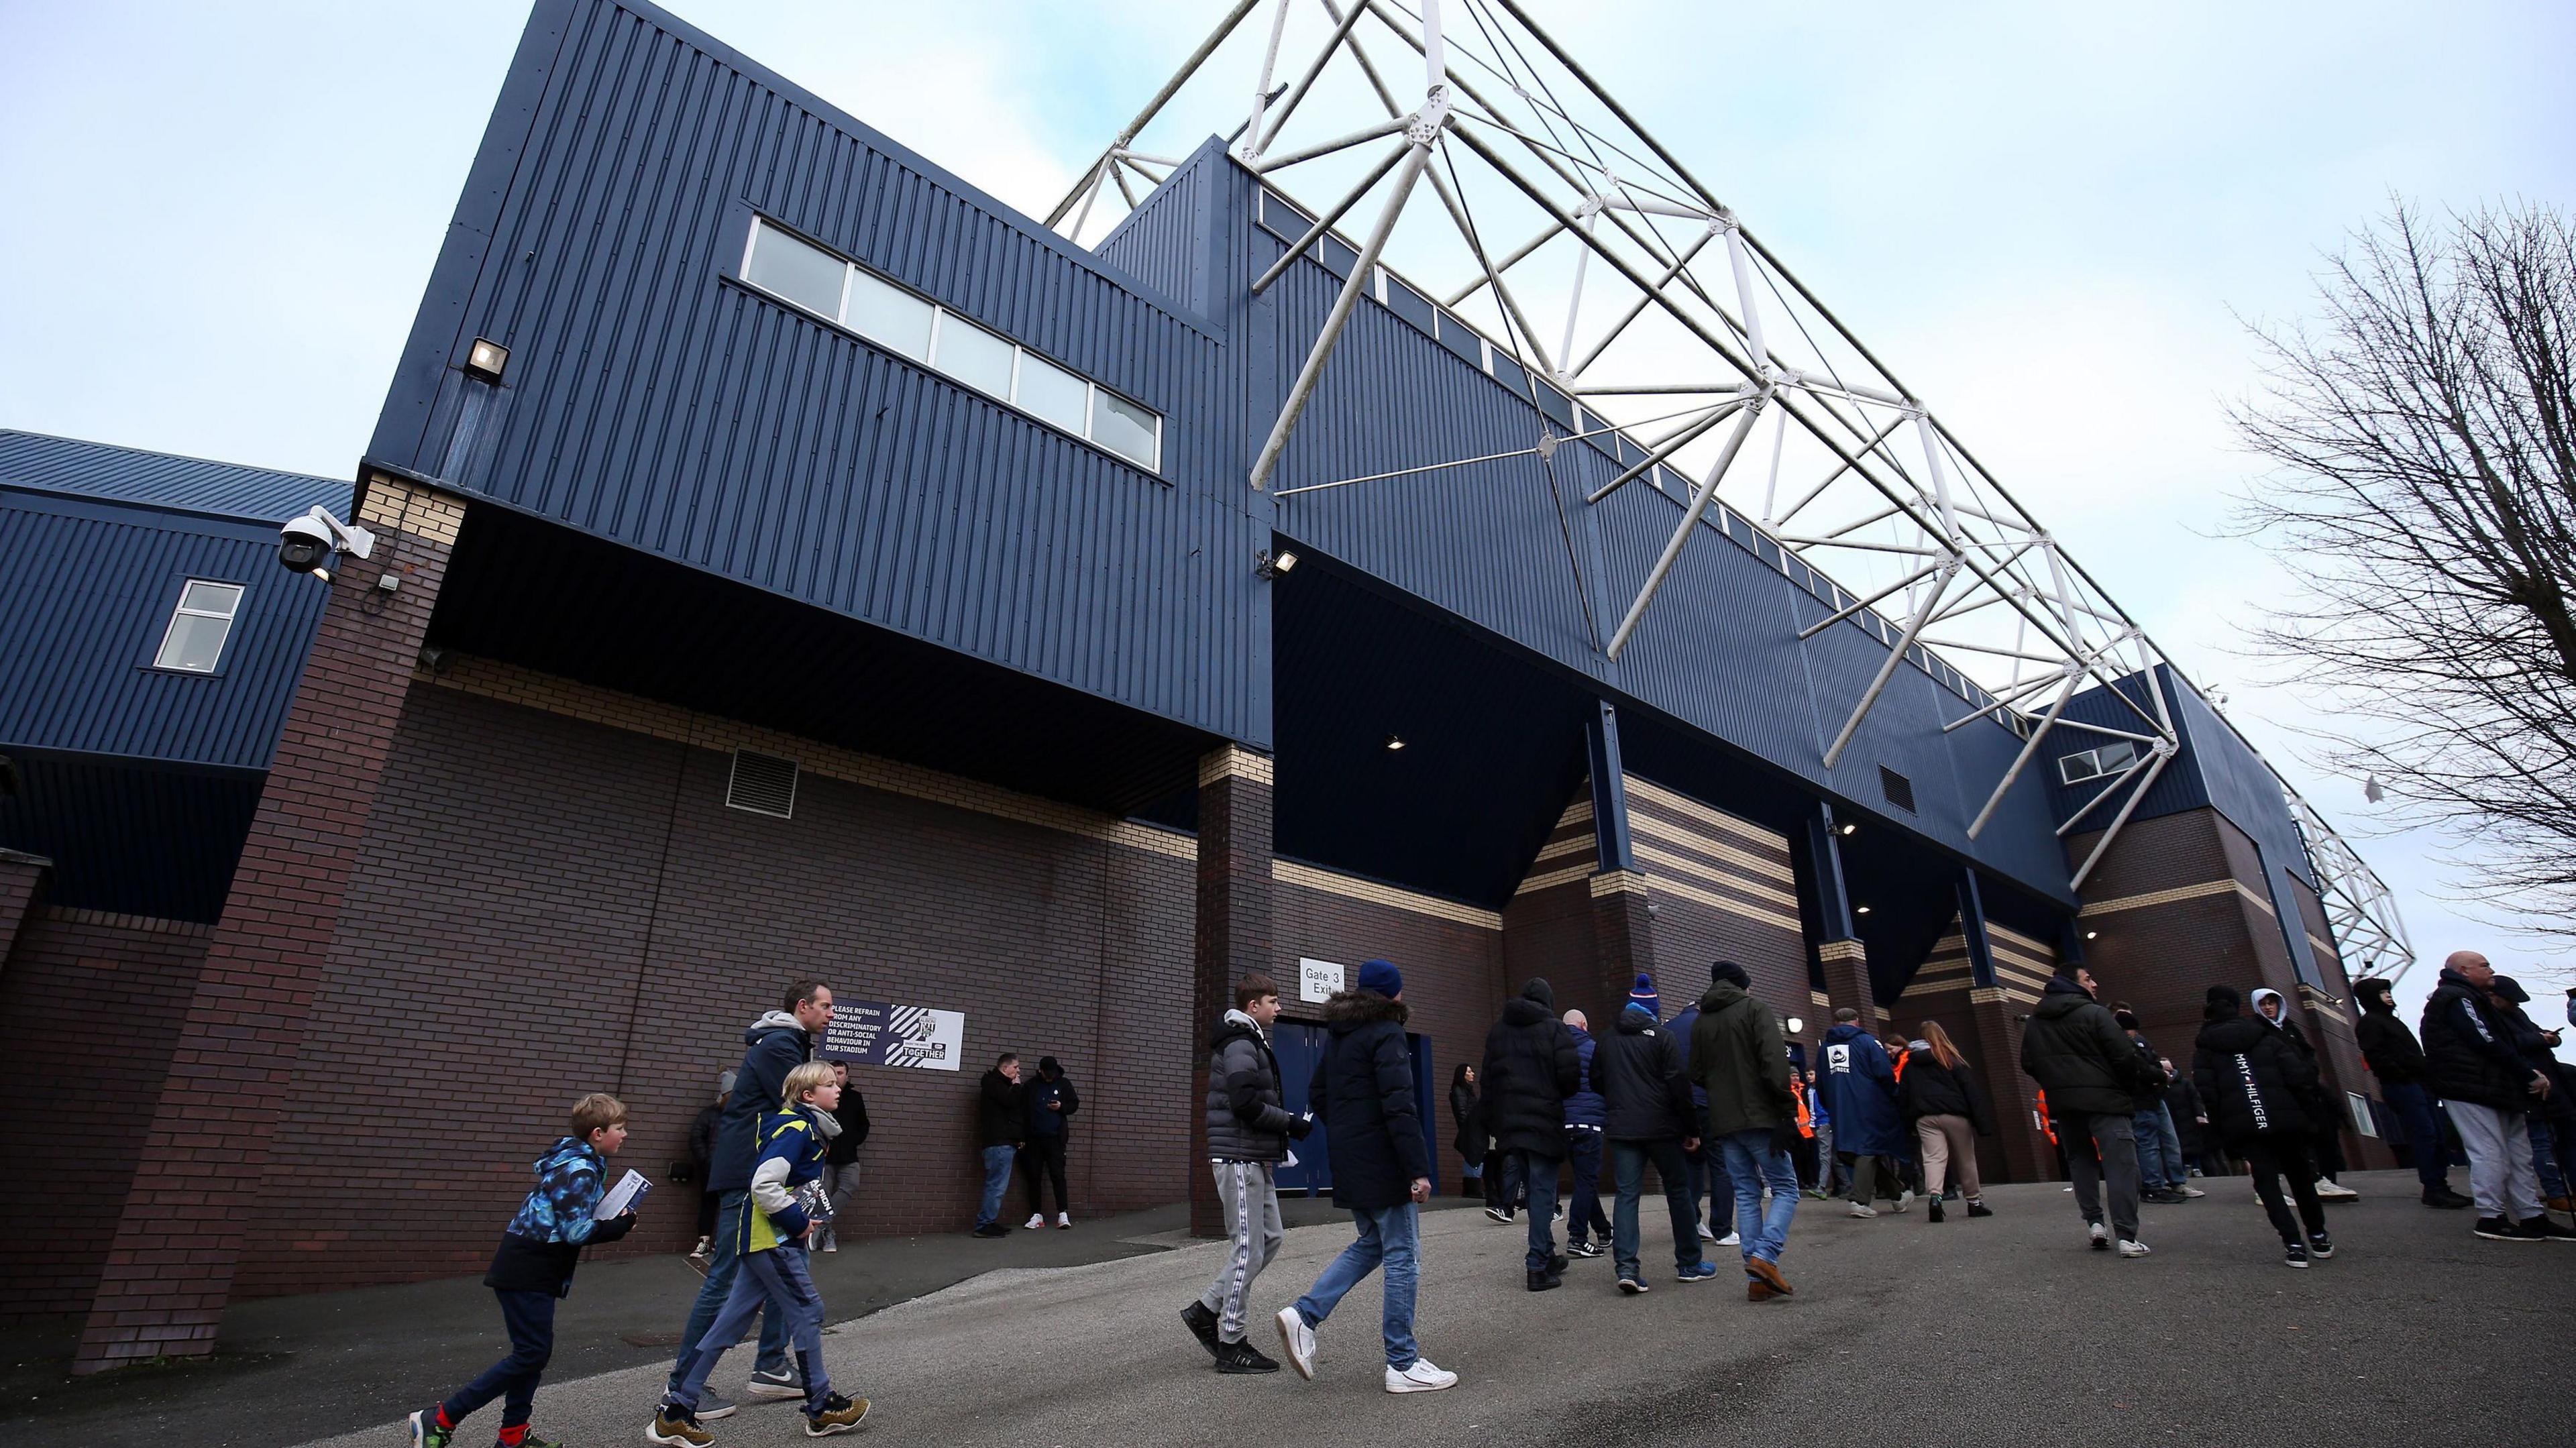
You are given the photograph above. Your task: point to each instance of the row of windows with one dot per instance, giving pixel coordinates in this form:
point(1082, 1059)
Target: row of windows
point(793, 270)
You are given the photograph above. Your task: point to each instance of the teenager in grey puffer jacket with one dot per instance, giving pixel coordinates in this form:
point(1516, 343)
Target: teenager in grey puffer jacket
point(1246, 1119)
point(1248, 1129)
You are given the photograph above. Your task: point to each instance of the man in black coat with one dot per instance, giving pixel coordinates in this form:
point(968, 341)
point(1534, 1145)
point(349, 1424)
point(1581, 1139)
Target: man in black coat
point(2470, 1062)
point(1001, 1126)
point(2079, 1055)
point(1362, 1095)
point(2398, 1062)
point(2265, 1098)
point(777, 1043)
point(1637, 1068)
point(1531, 1066)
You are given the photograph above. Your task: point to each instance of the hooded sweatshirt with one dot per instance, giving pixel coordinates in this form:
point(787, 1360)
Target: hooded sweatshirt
point(2251, 1080)
point(1530, 1067)
point(542, 1245)
point(773, 1046)
point(786, 1179)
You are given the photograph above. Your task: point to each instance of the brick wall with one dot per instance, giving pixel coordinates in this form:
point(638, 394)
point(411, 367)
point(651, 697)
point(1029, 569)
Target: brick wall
point(90, 1005)
point(549, 905)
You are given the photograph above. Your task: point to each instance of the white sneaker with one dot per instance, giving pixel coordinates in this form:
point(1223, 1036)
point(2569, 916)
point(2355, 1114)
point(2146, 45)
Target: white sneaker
point(2335, 1191)
point(1422, 1377)
point(1035, 1221)
point(2194, 1191)
point(1064, 1219)
point(1299, 1341)
point(1706, 1234)
point(699, 1252)
point(1863, 1209)
point(1731, 1239)
point(1903, 1200)
point(2132, 1249)
point(2100, 1235)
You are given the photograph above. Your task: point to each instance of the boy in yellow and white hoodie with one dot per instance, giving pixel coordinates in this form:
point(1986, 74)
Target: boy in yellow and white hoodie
point(787, 1204)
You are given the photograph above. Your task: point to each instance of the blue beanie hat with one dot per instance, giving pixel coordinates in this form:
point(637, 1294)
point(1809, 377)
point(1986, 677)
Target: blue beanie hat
point(1643, 995)
point(1381, 976)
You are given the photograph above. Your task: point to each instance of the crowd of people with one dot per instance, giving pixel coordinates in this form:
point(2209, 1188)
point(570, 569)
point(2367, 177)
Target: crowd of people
point(1736, 1124)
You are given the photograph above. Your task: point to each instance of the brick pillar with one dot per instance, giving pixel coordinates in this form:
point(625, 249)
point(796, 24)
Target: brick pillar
point(1847, 983)
point(2027, 1156)
point(1233, 938)
point(22, 888)
point(178, 1236)
point(1623, 942)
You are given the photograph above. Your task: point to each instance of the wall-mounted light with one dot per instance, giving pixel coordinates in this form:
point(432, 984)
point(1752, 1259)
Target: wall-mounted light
point(485, 359)
point(1797, 1026)
point(1270, 565)
point(2090, 934)
point(1860, 910)
point(1850, 829)
point(1394, 743)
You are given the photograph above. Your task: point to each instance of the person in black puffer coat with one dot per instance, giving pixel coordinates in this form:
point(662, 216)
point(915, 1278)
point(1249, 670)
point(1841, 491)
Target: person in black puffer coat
point(2553, 1120)
point(1530, 1068)
point(2264, 1099)
point(2079, 1056)
point(2471, 1064)
point(1940, 1099)
point(2325, 1133)
point(2398, 1061)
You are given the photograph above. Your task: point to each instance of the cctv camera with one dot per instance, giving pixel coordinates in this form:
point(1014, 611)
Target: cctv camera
point(307, 544)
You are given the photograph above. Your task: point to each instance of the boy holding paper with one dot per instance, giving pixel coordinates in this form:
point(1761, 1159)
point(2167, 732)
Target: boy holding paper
point(533, 1269)
point(787, 1205)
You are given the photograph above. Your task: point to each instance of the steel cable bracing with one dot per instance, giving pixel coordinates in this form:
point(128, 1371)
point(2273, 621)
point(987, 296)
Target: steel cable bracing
point(1946, 557)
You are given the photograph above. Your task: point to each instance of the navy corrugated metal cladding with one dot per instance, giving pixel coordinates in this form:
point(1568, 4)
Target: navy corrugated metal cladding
point(652, 398)
point(2216, 768)
point(139, 782)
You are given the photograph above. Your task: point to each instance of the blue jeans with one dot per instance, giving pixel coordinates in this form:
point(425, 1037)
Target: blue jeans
point(776, 1278)
point(1387, 1236)
point(2154, 1170)
point(1750, 1165)
point(722, 1261)
point(1538, 1178)
point(997, 1175)
point(1709, 1183)
point(1583, 1219)
point(2414, 1112)
point(530, 1319)
point(1628, 1170)
point(2544, 1157)
point(2177, 1166)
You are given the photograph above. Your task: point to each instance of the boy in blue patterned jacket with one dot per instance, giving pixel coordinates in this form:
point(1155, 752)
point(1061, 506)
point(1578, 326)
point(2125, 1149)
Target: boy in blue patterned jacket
point(787, 1203)
point(533, 1269)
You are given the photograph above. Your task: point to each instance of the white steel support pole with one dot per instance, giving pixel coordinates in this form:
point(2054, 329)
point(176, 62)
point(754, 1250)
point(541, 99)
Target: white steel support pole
point(1303, 390)
point(2164, 756)
point(1895, 656)
point(1574, 303)
point(2028, 748)
point(1250, 150)
point(1171, 88)
point(1689, 433)
point(1297, 92)
point(1751, 412)
point(1753, 343)
point(1325, 222)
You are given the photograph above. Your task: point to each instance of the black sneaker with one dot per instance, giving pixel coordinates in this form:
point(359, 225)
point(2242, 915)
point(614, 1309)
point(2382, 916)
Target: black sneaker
point(1978, 1208)
point(2497, 1229)
point(2543, 1229)
point(533, 1441)
point(2294, 1254)
point(1583, 1249)
point(1498, 1214)
point(1556, 1264)
point(2320, 1245)
point(992, 1229)
point(1202, 1325)
point(2445, 1198)
point(425, 1432)
point(1631, 1286)
point(1545, 1281)
point(1243, 1357)
point(1934, 1210)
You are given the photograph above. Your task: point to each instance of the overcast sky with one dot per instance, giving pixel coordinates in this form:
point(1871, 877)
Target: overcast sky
point(2049, 219)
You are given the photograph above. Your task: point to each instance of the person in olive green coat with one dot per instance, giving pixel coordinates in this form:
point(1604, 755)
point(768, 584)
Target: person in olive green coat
point(1739, 1059)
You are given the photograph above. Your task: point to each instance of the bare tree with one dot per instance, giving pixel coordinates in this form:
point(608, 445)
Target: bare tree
point(2425, 425)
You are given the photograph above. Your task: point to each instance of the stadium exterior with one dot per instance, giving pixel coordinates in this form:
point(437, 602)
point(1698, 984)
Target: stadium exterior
point(790, 560)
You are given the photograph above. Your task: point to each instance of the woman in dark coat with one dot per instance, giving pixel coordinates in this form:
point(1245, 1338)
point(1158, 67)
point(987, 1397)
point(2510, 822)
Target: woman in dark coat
point(1940, 1100)
point(1470, 1141)
point(2264, 1101)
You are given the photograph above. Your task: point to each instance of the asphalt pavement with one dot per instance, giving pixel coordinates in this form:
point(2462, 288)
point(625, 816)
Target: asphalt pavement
point(2002, 1330)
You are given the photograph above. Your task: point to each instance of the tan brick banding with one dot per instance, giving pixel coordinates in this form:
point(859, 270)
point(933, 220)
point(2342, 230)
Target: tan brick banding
point(1984, 993)
point(1731, 906)
point(1681, 804)
point(1833, 950)
point(1307, 877)
point(1550, 879)
point(2323, 1004)
point(2179, 892)
point(111, 920)
point(1820, 1000)
point(512, 684)
point(411, 508)
point(1613, 882)
point(1684, 864)
point(1236, 761)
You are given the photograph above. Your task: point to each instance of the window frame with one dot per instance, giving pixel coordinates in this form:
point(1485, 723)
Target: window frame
point(939, 315)
point(179, 609)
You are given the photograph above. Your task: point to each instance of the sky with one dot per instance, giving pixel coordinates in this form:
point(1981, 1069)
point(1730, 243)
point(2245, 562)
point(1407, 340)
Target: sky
point(2055, 222)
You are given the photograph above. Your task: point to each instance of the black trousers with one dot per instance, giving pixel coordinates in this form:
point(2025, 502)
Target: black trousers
point(2274, 1155)
point(529, 1317)
point(708, 1202)
point(1045, 1154)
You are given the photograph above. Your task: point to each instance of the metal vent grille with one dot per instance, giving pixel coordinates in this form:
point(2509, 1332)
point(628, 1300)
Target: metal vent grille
point(1898, 789)
point(762, 784)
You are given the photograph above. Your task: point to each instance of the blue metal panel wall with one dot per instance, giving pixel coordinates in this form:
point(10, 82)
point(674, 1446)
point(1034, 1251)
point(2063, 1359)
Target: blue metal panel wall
point(654, 401)
point(110, 473)
point(2177, 789)
point(2216, 768)
point(136, 839)
point(86, 592)
point(1718, 652)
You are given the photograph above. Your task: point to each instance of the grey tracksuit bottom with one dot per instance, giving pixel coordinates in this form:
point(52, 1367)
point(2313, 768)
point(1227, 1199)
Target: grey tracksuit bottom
point(1249, 1192)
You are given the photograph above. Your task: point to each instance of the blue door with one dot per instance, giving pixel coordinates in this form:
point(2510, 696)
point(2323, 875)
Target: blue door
point(1300, 1050)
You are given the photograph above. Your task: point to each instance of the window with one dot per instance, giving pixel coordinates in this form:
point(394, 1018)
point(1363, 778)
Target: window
point(194, 642)
point(809, 277)
point(2096, 763)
